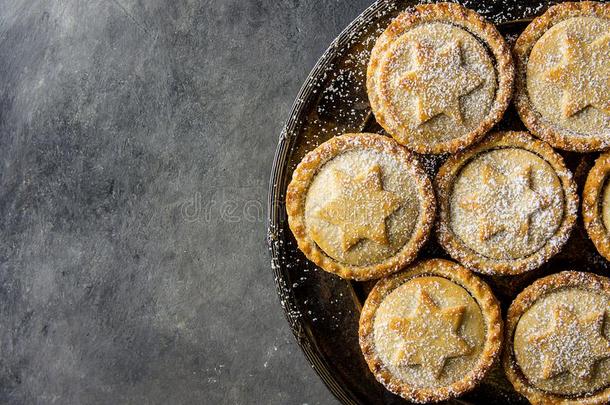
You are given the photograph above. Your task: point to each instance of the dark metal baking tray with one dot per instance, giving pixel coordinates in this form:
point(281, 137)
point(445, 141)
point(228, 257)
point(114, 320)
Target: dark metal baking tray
point(322, 309)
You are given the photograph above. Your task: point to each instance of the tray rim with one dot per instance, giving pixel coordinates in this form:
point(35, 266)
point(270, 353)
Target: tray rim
point(274, 202)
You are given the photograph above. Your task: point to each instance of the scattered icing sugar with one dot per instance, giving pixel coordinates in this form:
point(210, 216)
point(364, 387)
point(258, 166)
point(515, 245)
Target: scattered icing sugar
point(333, 103)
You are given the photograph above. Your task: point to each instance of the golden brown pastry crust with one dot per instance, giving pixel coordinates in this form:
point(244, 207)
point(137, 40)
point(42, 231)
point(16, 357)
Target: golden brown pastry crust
point(557, 136)
point(475, 261)
point(474, 24)
point(484, 297)
point(519, 306)
point(591, 205)
point(307, 170)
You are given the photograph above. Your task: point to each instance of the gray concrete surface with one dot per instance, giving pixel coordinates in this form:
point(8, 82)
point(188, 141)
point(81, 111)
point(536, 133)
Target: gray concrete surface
point(136, 140)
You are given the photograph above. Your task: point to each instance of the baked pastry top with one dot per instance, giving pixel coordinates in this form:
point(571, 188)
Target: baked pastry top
point(563, 76)
point(596, 205)
point(360, 206)
point(558, 346)
point(432, 82)
point(506, 205)
point(431, 332)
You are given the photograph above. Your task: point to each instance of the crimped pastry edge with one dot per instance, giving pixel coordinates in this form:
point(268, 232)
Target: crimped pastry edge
point(304, 174)
point(478, 27)
point(558, 137)
point(444, 186)
point(490, 309)
point(591, 205)
point(519, 306)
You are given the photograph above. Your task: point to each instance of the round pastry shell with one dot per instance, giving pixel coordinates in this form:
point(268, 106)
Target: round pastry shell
point(307, 170)
point(557, 136)
point(477, 26)
point(519, 306)
point(597, 180)
point(444, 186)
point(482, 294)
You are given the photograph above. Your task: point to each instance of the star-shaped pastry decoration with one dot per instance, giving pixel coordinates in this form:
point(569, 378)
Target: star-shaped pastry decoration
point(584, 74)
point(362, 207)
point(572, 344)
point(524, 204)
point(430, 335)
point(438, 81)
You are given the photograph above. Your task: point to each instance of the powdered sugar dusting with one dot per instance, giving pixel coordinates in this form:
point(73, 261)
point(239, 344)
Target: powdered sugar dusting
point(506, 204)
point(320, 306)
point(561, 345)
point(567, 77)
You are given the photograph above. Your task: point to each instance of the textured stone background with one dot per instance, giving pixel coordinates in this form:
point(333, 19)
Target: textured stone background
point(136, 140)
